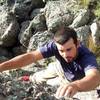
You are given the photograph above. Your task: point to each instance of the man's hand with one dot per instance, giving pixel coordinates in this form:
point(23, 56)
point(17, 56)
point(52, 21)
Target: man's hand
point(87, 83)
point(67, 90)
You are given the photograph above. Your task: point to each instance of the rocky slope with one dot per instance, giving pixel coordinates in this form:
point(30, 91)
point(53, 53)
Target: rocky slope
point(26, 25)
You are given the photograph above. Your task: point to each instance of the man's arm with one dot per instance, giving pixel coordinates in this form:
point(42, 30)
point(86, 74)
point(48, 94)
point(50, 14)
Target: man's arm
point(21, 60)
point(89, 82)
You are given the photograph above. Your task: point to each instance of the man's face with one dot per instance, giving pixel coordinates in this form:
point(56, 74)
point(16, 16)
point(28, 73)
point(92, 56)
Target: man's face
point(68, 50)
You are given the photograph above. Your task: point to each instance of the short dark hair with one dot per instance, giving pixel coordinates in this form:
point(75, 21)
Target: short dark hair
point(63, 34)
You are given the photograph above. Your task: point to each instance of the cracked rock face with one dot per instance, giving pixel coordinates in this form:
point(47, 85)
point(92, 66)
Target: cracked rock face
point(56, 14)
point(9, 28)
point(17, 90)
point(13, 88)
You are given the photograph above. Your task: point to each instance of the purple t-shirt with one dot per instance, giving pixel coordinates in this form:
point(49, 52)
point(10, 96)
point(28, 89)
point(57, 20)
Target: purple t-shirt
point(75, 70)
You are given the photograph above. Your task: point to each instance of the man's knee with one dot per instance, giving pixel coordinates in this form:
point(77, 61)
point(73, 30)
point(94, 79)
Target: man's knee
point(44, 75)
point(53, 70)
point(37, 77)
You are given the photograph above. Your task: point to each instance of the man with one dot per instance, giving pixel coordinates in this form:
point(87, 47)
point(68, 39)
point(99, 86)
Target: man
point(77, 63)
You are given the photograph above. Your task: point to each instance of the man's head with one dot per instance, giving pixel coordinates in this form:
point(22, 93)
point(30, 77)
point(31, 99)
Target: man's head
point(63, 34)
point(67, 43)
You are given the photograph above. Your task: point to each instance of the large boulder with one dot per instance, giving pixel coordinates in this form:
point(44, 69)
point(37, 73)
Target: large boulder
point(4, 54)
point(94, 43)
point(9, 28)
point(37, 24)
point(35, 12)
point(83, 34)
point(25, 33)
point(57, 14)
point(39, 39)
point(82, 18)
point(95, 32)
point(22, 8)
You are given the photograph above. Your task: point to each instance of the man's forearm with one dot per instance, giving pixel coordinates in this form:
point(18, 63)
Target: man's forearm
point(17, 62)
point(87, 83)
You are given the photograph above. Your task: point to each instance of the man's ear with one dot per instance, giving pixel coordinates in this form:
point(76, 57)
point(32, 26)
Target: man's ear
point(78, 43)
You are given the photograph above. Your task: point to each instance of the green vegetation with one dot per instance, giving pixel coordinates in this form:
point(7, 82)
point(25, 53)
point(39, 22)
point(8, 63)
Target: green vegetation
point(84, 2)
point(93, 47)
point(98, 60)
point(97, 10)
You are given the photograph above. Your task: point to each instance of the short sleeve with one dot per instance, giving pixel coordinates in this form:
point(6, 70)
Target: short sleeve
point(48, 50)
point(89, 62)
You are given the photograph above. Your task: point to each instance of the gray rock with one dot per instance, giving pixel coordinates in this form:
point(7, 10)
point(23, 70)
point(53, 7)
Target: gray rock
point(95, 32)
point(49, 0)
point(83, 34)
point(14, 89)
point(82, 18)
point(3, 58)
point(57, 14)
point(37, 24)
point(4, 54)
point(18, 50)
point(24, 34)
point(22, 8)
point(9, 28)
point(35, 12)
point(39, 39)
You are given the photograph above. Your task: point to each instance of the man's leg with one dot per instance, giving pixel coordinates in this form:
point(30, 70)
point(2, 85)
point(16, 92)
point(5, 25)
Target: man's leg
point(53, 74)
point(44, 75)
point(61, 79)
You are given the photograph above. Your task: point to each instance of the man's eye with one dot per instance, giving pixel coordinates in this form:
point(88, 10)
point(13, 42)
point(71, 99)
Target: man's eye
point(61, 50)
point(69, 49)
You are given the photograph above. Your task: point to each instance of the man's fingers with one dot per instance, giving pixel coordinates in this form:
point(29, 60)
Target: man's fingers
point(61, 91)
point(70, 92)
point(66, 91)
point(58, 91)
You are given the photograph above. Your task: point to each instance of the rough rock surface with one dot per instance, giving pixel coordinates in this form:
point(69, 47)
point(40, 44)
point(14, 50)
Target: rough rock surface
point(13, 88)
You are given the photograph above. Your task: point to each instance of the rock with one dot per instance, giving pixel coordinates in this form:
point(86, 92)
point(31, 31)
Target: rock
point(26, 23)
point(57, 14)
point(25, 33)
point(83, 34)
point(15, 89)
point(9, 29)
point(37, 24)
point(35, 12)
point(81, 19)
point(95, 32)
point(4, 54)
point(39, 39)
point(22, 8)
point(19, 50)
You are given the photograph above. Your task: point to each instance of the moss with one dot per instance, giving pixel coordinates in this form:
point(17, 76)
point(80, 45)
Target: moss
point(97, 10)
point(83, 3)
point(94, 48)
point(98, 61)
